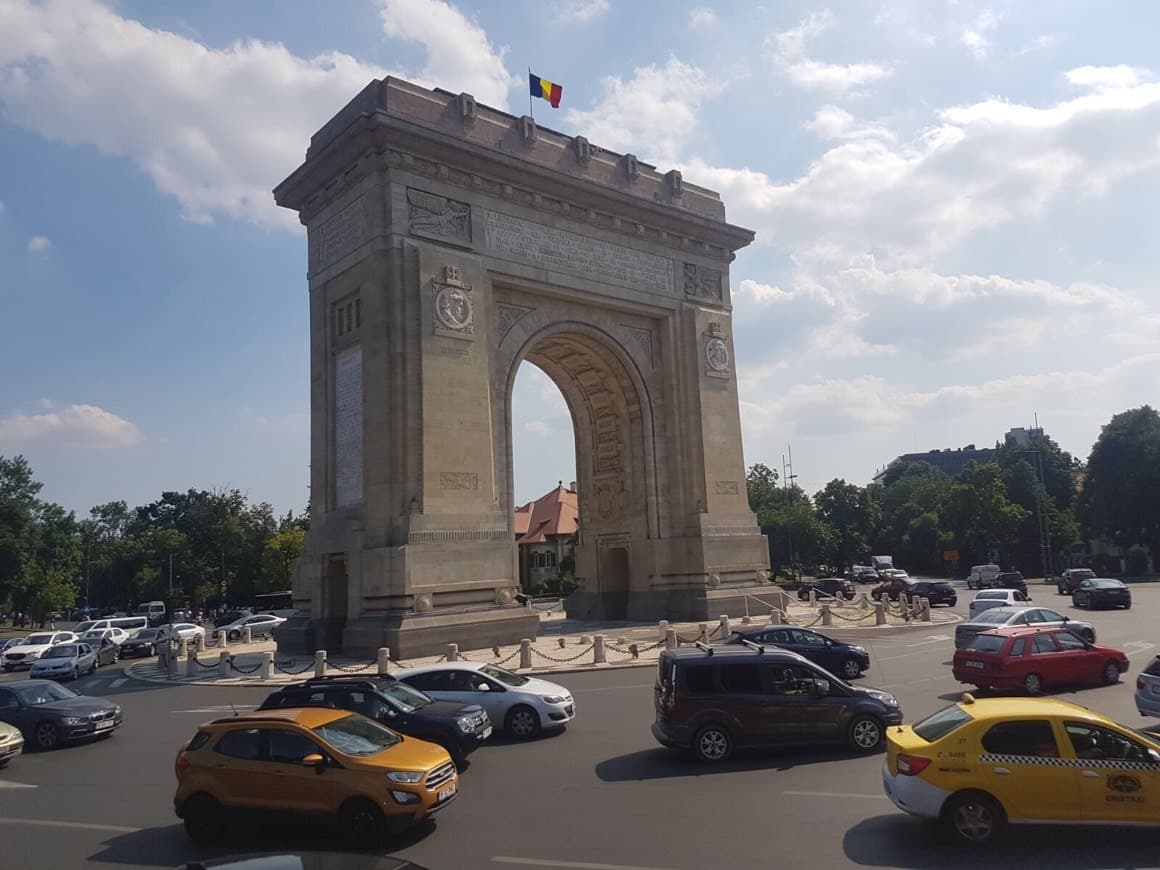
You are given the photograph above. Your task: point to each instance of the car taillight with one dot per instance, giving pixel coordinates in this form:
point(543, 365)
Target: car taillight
point(182, 765)
point(1139, 684)
point(912, 765)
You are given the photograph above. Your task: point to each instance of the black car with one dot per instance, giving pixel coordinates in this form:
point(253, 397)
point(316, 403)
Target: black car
point(1102, 592)
point(143, 643)
point(831, 586)
point(106, 649)
point(713, 700)
point(847, 659)
point(458, 728)
point(1070, 579)
point(49, 715)
point(935, 591)
point(1010, 580)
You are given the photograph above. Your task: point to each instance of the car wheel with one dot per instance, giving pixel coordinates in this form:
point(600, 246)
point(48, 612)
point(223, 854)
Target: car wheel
point(152, 650)
point(1075, 600)
point(849, 596)
point(1033, 683)
point(75, 673)
point(973, 818)
point(1111, 673)
point(851, 668)
point(204, 819)
point(866, 734)
point(46, 735)
point(93, 668)
point(522, 722)
point(712, 744)
point(235, 636)
point(360, 823)
point(1128, 606)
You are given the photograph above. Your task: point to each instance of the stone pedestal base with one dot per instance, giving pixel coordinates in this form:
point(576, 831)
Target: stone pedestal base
point(422, 634)
point(684, 605)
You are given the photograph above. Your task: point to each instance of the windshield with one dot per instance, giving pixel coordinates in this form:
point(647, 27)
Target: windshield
point(38, 639)
point(941, 723)
point(991, 596)
point(93, 635)
point(61, 652)
point(357, 735)
point(505, 677)
point(44, 693)
point(988, 643)
point(85, 626)
point(995, 615)
point(147, 634)
point(406, 697)
point(1106, 584)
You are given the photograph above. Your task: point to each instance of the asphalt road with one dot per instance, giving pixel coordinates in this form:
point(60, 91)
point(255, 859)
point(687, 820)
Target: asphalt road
point(601, 796)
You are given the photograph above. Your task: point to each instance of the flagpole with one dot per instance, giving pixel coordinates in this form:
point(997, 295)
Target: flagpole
point(531, 109)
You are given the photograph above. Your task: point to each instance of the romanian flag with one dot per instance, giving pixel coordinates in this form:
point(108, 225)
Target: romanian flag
point(545, 90)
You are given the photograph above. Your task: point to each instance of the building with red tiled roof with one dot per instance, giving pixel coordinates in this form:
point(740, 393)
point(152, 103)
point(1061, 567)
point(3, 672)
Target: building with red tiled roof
point(546, 531)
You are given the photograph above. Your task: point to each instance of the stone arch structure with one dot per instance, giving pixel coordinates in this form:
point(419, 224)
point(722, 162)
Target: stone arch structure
point(448, 243)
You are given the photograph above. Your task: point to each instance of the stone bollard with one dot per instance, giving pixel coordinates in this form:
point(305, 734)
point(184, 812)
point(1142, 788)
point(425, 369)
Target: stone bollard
point(585, 640)
point(598, 647)
point(664, 627)
point(170, 662)
point(191, 664)
point(319, 664)
point(182, 648)
point(223, 664)
point(924, 609)
point(199, 642)
point(563, 641)
point(384, 660)
point(776, 617)
point(702, 633)
point(247, 635)
point(813, 598)
point(827, 617)
point(670, 638)
point(525, 653)
point(452, 652)
point(880, 614)
point(267, 671)
point(864, 601)
point(745, 620)
point(724, 620)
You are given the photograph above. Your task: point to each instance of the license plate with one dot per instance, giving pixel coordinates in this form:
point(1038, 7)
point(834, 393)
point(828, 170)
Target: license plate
point(104, 726)
point(974, 664)
point(1156, 688)
point(486, 732)
point(446, 793)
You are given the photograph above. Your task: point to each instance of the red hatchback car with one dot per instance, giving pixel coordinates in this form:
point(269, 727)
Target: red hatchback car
point(1035, 658)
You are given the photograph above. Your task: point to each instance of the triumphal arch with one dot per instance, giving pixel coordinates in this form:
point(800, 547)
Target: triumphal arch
point(449, 242)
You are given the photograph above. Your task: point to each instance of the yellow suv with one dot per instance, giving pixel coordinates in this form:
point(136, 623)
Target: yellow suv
point(315, 763)
point(979, 764)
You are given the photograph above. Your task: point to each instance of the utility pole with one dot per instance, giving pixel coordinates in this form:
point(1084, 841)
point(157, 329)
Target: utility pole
point(788, 478)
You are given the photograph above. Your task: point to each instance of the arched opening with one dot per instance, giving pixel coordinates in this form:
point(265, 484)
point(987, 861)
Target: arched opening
point(612, 425)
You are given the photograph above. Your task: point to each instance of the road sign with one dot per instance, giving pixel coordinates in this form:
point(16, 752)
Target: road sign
point(950, 555)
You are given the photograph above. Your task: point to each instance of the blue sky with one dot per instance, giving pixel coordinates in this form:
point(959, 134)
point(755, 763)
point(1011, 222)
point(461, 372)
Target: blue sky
point(953, 203)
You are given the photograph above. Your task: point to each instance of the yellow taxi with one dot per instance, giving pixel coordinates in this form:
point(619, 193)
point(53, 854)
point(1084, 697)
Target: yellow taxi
point(982, 763)
point(312, 763)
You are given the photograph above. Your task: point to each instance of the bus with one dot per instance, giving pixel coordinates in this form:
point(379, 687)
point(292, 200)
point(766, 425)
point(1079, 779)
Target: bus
point(277, 603)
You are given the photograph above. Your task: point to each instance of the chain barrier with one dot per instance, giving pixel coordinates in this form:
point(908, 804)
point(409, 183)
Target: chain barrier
point(210, 667)
point(240, 670)
point(866, 615)
point(550, 608)
point(353, 669)
point(578, 655)
point(508, 659)
point(715, 631)
point(281, 667)
point(631, 650)
point(688, 640)
point(812, 622)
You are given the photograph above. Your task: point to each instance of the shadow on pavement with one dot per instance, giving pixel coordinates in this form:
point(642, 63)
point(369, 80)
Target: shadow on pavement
point(915, 844)
point(662, 763)
point(169, 845)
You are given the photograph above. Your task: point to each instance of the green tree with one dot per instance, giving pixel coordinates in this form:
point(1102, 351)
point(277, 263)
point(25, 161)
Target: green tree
point(281, 552)
point(853, 515)
point(1118, 499)
point(761, 486)
point(978, 514)
point(912, 505)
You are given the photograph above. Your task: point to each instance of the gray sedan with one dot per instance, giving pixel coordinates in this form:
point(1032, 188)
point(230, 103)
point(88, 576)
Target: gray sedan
point(1003, 617)
point(65, 660)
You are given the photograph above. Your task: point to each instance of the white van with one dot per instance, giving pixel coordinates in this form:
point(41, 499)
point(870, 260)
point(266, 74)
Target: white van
point(983, 576)
point(128, 623)
point(154, 611)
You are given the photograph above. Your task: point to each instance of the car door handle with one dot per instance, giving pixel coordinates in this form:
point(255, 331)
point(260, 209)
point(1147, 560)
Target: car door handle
point(1091, 774)
point(1003, 771)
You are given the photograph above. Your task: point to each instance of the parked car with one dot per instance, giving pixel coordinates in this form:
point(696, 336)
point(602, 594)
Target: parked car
point(983, 576)
point(892, 587)
point(34, 646)
point(989, 598)
point(64, 661)
point(980, 764)
point(48, 714)
point(315, 764)
point(1148, 689)
point(1102, 592)
point(1070, 579)
point(1007, 617)
point(259, 624)
point(1034, 659)
point(142, 643)
point(458, 728)
point(830, 587)
point(935, 591)
point(848, 660)
point(714, 700)
point(524, 705)
point(11, 742)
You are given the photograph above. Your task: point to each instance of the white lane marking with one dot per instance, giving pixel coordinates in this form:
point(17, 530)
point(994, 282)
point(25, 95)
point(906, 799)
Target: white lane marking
point(835, 794)
point(221, 708)
point(931, 638)
point(1137, 646)
point(575, 865)
point(80, 826)
point(116, 684)
point(4, 783)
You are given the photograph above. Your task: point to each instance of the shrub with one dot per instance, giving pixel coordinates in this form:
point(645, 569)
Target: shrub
point(1137, 561)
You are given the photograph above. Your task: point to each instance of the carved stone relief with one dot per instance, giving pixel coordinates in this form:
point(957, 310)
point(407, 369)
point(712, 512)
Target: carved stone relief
point(458, 480)
point(727, 487)
point(454, 312)
point(507, 316)
point(702, 282)
point(340, 234)
point(438, 216)
point(643, 339)
point(716, 350)
point(610, 498)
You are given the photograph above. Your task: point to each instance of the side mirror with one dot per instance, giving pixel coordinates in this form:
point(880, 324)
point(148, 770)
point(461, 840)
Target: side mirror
point(483, 687)
point(313, 760)
point(1154, 756)
point(821, 687)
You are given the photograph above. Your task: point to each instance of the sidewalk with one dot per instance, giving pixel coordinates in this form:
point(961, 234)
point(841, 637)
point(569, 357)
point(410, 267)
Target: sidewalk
point(563, 646)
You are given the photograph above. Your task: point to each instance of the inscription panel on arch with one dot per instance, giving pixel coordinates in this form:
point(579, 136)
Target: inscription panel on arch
point(565, 251)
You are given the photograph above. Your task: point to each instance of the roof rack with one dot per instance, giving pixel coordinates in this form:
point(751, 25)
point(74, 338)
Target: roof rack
point(755, 646)
point(705, 648)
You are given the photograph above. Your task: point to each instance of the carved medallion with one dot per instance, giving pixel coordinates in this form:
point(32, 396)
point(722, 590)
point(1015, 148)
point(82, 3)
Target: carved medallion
point(453, 309)
point(717, 355)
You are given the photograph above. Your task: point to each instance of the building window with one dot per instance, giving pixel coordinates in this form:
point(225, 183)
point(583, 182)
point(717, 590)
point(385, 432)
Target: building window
point(357, 313)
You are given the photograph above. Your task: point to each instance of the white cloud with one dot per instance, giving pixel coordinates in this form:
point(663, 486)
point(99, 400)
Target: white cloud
point(39, 244)
point(582, 11)
point(833, 122)
point(977, 37)
point(540, 428)
point(788, 51)
point(702, 18)
point(70, 425)
point(1102, 77)
point(653, 113)
point(216, 128)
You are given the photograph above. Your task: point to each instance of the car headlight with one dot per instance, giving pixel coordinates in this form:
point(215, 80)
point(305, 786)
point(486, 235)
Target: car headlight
point(555, 699)
point(117, 711)
point(466, 725)
point(74, 720)
point(407, 776)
